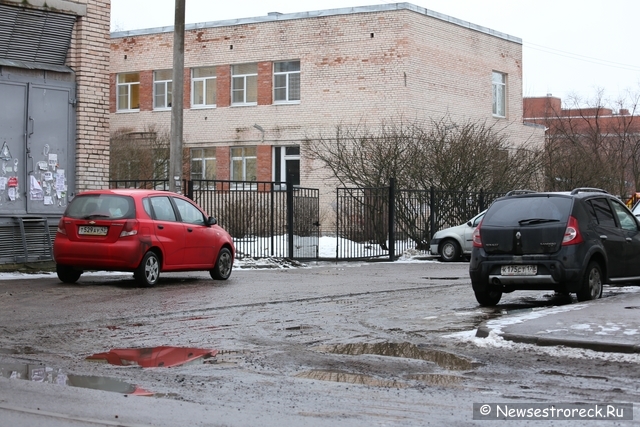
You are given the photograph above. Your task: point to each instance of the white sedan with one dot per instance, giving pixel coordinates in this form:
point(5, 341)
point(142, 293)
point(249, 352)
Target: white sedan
point(454, 242)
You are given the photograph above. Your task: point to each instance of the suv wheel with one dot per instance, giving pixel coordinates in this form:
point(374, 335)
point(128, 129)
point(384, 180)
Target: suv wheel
point(449, 250)
point(487, 296)
point(591, 286)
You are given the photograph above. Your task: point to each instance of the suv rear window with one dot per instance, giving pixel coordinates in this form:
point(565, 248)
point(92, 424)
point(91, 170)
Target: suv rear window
point(101, 206)
point(509, 212)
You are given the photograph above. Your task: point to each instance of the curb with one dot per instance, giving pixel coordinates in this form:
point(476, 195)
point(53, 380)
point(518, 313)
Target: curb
point(608, 347)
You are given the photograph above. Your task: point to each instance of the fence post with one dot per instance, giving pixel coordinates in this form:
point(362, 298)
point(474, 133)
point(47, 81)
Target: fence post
point(290, 218)
point(392, 219)
point(272, 220)
point(188, 185)
point(481, 200)
point(432, 212)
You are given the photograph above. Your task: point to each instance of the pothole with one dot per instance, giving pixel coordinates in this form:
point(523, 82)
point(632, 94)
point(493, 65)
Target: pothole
point(347, 377)
point(45, 374)
point(153, 357)
point(405, 350)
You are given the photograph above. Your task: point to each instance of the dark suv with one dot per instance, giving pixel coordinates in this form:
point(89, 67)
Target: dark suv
point(565, 242)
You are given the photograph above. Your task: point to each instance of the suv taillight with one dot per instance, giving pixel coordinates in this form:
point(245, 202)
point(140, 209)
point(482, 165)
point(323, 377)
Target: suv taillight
point(477, 240)
point(572, 234)
point(130, 228)
point(61, 228)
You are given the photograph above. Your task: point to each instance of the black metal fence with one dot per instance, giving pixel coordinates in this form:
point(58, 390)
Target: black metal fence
point(384, 222)
point(265, 219)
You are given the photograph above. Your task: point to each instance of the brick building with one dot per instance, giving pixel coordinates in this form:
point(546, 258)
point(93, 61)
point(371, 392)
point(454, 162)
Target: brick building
point(609, 138)
point(54, 126)
point(256, 88)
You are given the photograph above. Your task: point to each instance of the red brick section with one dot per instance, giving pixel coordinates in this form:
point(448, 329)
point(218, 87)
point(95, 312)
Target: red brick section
point(146, 90)
point(264, 162)
point(113, 95)
point(223, 162)
point(265, 84)
point(186, 87)
point(223, 87)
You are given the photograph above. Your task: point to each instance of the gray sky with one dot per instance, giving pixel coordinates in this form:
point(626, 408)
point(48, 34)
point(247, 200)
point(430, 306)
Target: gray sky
point(570, 47)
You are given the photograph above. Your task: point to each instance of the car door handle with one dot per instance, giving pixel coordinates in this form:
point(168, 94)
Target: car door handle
point(603, 237)
point(629, 239)
point(161, 227)
point(191, 229)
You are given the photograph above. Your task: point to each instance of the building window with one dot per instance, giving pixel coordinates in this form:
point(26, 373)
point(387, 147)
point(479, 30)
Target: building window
point(203, 87)
point(499, 81)
point(128, 91)
point(162, 89)
point(243, 164)
point(244, 84)
point(286, 82)
point(286, 166)
point(203, 164)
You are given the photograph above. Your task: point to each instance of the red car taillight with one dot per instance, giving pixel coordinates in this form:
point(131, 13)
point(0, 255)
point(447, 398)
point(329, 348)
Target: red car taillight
point(61, 228)
point(130, 228)
point(477, 240)
point(572, 234)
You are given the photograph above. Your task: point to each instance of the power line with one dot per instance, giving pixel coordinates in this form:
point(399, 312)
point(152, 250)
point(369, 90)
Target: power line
point(579, 57)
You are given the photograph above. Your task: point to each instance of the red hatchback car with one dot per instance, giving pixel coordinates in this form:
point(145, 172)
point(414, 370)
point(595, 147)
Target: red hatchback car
point(142, 231)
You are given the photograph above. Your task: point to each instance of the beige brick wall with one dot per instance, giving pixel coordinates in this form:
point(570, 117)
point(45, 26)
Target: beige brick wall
point(89, 57)
point(355, 68)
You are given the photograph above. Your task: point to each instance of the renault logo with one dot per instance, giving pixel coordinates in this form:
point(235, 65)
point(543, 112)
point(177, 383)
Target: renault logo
point(518, 235)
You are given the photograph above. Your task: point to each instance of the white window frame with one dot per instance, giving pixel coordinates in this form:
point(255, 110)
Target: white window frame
point(198, 155)
point(243, 157)
point(499, 94)
point(287, 83)
point(206, 82)
point(128, 87)
point(167, 87)
point(245, 78)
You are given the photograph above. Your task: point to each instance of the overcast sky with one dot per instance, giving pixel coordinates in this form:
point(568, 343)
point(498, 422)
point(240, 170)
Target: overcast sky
point(570, 47)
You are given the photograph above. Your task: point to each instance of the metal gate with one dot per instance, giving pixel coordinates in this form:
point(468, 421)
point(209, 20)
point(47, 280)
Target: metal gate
point(385, 222)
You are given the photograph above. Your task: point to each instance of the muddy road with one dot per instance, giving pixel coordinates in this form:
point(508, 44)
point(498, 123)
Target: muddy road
point(331, 344)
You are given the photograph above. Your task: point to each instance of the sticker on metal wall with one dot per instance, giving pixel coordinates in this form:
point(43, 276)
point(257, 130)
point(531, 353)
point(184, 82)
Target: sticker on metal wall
point(5, 154)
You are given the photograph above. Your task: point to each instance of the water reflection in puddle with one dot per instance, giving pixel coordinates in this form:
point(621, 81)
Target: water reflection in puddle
point(154, 357)
point(407, 350)
point(346, 377)
point(45, 374)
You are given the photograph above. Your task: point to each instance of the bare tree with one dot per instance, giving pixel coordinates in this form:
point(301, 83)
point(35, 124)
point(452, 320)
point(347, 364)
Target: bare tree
point(141, 155)
point(594, 143)
point(440, 153)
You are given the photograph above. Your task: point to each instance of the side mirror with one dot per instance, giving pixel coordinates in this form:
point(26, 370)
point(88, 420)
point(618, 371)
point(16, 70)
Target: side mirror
point(469, 224)
point(211, 221)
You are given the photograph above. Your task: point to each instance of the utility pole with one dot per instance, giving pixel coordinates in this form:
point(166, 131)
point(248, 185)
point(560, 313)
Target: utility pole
point(175, 152)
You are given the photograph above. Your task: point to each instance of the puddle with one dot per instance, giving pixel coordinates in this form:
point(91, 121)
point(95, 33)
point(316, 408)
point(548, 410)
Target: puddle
point(436, 379)
point(154, 357)
point(44, 374)
point(406, 350)
point(346, 377)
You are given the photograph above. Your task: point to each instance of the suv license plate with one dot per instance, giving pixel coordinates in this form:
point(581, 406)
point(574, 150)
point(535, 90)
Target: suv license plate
point(519, 270)
point(92, 230)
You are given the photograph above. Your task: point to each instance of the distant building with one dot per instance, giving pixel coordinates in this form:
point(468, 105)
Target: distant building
point(256, 88)
point(613, 135)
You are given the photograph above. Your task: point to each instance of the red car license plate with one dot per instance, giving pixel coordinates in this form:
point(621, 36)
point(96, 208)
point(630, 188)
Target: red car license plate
point(92, 230)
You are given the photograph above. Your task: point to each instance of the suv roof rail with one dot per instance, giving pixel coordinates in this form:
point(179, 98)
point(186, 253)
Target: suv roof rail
point(516, 192)
point(588, 190)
